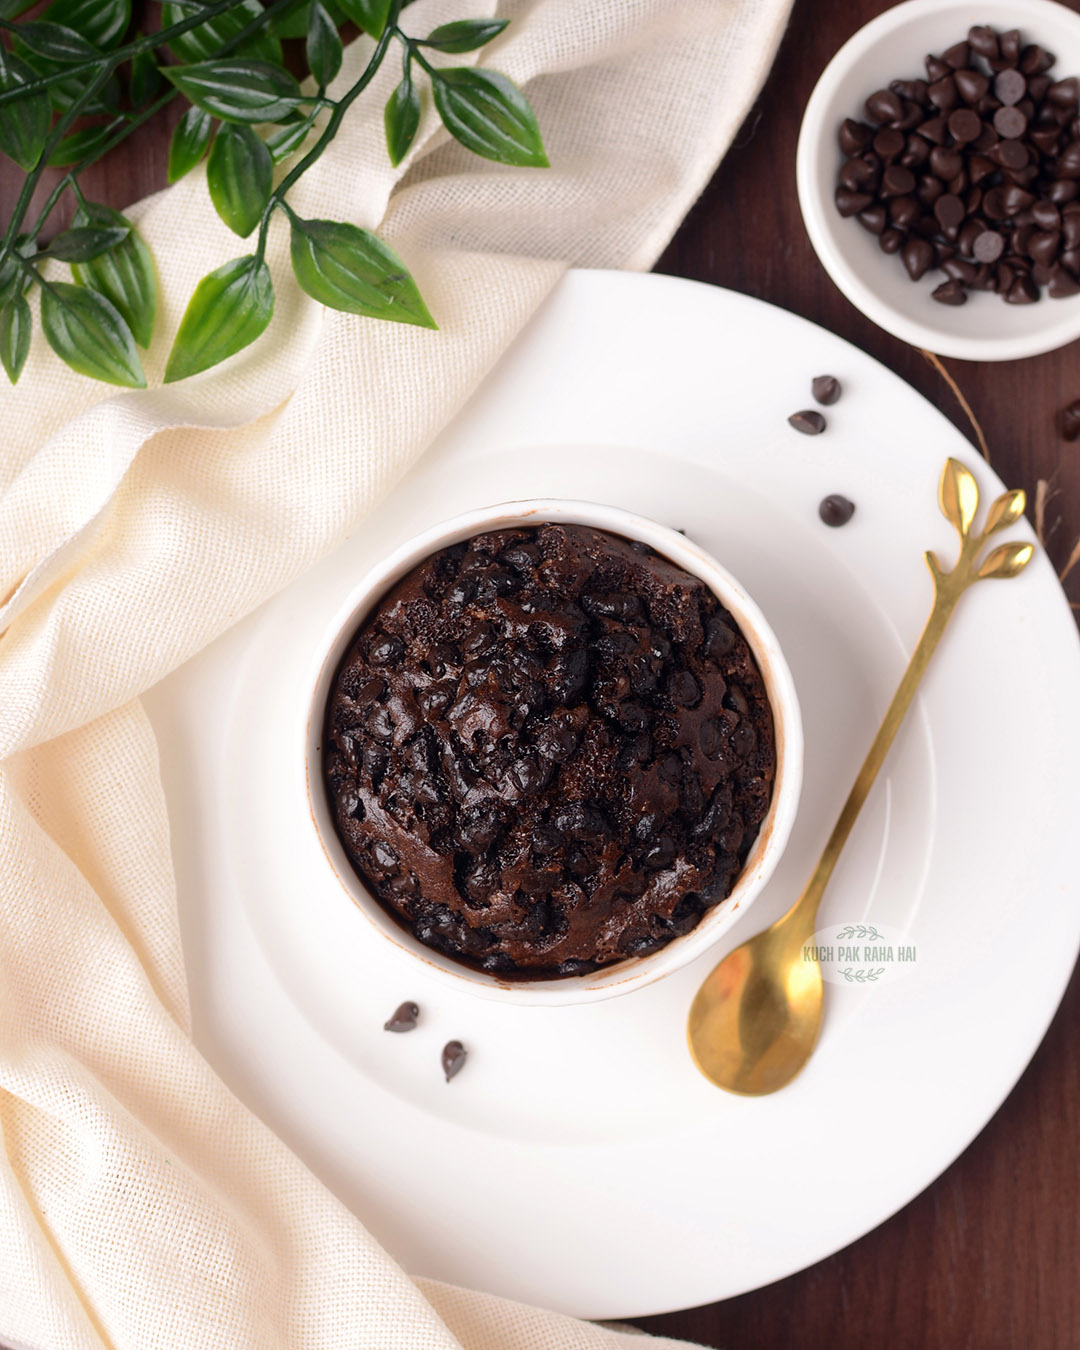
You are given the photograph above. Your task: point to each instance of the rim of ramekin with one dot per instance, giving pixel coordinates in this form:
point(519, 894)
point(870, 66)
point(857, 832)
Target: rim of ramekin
point(634, 972)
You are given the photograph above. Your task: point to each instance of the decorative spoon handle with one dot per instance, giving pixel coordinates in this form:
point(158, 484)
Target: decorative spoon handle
point(958, 496)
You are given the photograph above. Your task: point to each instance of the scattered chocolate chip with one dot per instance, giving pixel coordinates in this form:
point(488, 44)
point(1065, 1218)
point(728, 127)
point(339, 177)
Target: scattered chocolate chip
point(810, 422)
point(826, 389)
point(454, 1055)
point(404, 1019)
point(836, 510)
point(1069, 421)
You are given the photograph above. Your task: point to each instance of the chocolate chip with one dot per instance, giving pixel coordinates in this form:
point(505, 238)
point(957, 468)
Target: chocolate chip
point(1010, 87)
point(1009, 46)
point(888, 143)
point(854, 136)
point(903, 211)
point(1010, 123)
point(950, 293)
point(988, 247)
point(719, 638)
point(1023, 291)
point(965, 126)
point(945, 163)
point(710, 739)
point(454, 1055)
point(873, 219)
point(404, 1019)
point(1069, 421)
point(810, 422)
point(917, 256)
point(1011, 154)
point(826, 389)
point(983, 41)
point(1034, 60)
point(884, 106)
point(683, 689)
point(897, 181)
point(744, 739)
point(836, 510)
point(850, 203)
point(949, 210)
point(386, 650)
point(973, 85)
point(943, 94)
point(1044, 246)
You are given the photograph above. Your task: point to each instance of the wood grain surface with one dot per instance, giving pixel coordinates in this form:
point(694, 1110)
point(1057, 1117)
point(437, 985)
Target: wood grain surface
point(987, 1257)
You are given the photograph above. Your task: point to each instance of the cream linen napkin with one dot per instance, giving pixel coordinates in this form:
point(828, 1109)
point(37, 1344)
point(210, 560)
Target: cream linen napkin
point(141, 1206)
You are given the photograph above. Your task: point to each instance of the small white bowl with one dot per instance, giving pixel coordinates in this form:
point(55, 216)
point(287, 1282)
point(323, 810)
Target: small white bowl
point(775, 829)
point(894, 46)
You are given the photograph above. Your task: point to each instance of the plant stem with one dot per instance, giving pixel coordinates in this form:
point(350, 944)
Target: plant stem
point(341, 107)
point(121, 54)
point(107, 64)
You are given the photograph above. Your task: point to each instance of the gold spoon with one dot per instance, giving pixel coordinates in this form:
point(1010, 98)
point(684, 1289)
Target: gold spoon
point(756, 1019)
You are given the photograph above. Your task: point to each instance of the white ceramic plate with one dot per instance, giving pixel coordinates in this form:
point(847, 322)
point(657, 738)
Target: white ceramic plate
point(579, 1160)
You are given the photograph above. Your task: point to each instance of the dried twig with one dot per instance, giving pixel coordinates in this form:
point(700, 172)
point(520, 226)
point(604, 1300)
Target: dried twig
point(1074, 558)
point(1041, 494)
point(939, 366)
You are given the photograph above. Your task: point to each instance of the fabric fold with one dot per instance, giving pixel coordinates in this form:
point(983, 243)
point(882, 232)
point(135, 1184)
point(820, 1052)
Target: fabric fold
point(141, 1205)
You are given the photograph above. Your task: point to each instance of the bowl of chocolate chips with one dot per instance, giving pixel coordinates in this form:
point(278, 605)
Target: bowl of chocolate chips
point(553, 751)
point(939, 175)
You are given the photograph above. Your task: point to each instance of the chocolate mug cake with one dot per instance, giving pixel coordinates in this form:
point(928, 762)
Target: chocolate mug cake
point(548, 749)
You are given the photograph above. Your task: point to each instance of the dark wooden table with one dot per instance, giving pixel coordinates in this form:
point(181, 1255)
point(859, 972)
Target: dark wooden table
point(988, 1257)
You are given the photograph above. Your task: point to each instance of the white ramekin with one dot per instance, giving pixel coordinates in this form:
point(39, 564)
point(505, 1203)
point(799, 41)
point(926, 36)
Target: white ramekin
point(772, 837)
point(894, 46)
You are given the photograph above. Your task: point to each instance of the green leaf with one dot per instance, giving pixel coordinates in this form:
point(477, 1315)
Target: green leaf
point(238, 91)
point(81, 144)
point(124, 275)
point(55, 42)
point(145, 79)
point(24, 122)
point(86, 242)
point(489, 116)
point(101, 22)
point(229, 310)
point(189, 142)
point(206, 41)
point(324, 49)
point(370, 15)
point(402, 117)
point(293, 21)
point(11, 9)
point(350, 269)
point(14, 279)
point(239, 174)
point(72, 87)
point(86, 331)
point(287, 138)
point(15, 327)
point(465, 35)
